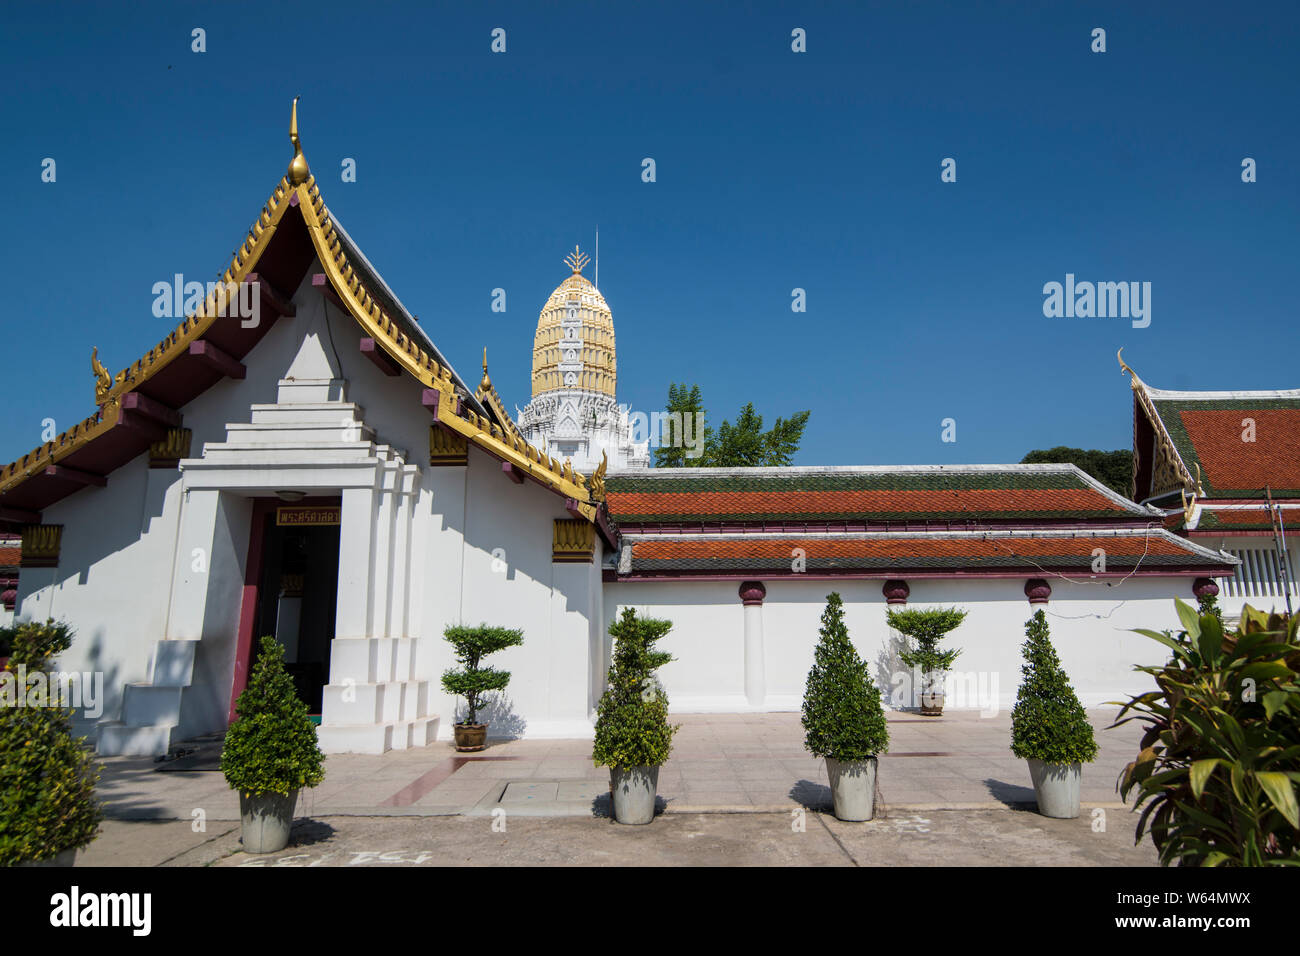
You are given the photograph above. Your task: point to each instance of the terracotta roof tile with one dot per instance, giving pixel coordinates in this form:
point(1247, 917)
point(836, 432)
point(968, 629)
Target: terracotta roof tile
point(1209, 432)
point(743, 552)
point(858, 497)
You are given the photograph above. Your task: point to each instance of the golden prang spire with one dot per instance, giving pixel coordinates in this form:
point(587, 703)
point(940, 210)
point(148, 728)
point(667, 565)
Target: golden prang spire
point(298, 169)
point(577, 260)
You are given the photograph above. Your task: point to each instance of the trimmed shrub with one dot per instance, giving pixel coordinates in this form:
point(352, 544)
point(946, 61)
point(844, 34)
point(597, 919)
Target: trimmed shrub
point(1217, 775)
point(927, 628)
point(632, 728)
point(47, 777)
point(842, 715)
point(472, 681)
point(271, 747)
point(1048, 722)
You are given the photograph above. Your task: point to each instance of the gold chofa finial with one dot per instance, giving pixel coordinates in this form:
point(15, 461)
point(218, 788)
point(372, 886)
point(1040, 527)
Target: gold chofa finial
point(1123, 367)
point(103, 380)
point(298, 170)
point(576, 260)
point(487, 382)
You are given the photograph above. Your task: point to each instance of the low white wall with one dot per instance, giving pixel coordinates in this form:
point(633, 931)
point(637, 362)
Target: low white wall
point(1090, 624)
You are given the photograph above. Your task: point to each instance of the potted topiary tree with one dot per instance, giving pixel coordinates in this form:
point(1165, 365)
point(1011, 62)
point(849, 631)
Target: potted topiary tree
point(1049, 727)
point(927, 628)
point(633, 736)
point(842, 717)
point(270, 752)
point(48, 809)
point(472, 681)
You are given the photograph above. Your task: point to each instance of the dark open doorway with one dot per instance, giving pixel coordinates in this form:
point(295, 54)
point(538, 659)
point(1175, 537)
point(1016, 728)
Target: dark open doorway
point(298, 591)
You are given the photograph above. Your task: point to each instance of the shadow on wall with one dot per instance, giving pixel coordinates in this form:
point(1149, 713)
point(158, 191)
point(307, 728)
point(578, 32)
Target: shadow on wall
point(888, 665)
point(111, 689)
point(503, 723)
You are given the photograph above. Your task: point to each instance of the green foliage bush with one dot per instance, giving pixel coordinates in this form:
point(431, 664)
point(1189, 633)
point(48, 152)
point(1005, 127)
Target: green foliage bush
point(1220, 762)
point(632, 728)
point(927, 628)
point(842, 716)
point(472, 681)
point(271, 747)
point(47, 777)
point(1048, 722)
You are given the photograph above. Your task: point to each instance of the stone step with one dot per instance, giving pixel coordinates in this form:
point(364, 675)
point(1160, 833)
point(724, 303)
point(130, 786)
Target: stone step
point(116, 739)
point(173, 663)
point(147, 705)
point(306, 412)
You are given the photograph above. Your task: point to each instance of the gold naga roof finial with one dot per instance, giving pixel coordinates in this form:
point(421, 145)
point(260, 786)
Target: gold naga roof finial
point(487, 382)
point(1123, 367)
point(298, 169)
point(103, 380)
point(577, 260)
point(597, 484)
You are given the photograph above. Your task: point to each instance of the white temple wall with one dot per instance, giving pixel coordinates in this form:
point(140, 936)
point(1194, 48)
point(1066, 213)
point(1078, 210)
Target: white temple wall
point(1090, 629)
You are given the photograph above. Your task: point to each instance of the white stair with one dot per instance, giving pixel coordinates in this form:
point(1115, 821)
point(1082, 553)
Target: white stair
point(372, 703)
point(151, 710)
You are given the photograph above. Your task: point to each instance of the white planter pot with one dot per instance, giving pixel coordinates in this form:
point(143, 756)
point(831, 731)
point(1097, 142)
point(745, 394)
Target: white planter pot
point(1056, 785)
point(633, 790)
point(853, 788)
point(266, 819)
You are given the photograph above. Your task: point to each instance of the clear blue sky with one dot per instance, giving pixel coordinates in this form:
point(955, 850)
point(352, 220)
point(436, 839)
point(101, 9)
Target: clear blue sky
point(775, 170)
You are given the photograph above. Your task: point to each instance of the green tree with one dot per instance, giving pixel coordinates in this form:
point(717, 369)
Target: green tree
point(632, 728)
point(472, 681)
point(1114, 469)
point(47, 777)
point(685, 412)
point(1048, 722)
point(842, 716)
point(741, 445)
point(271, 747)
point(927, 627)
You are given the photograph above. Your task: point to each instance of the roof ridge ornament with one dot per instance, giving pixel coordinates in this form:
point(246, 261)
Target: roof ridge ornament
point(577, 261)
point(487, 382)
point(103, 380)
point(298, 169)
point(1124, 368)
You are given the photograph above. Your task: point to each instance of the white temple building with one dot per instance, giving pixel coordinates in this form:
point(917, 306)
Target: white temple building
point(320, 473)
point(573, 414)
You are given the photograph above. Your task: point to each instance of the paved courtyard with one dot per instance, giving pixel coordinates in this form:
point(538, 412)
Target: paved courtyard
point(720, 762)
point(738, 790)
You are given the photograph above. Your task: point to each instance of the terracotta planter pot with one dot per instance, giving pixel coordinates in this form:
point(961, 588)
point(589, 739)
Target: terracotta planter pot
point(932, 696)
point(470, 737)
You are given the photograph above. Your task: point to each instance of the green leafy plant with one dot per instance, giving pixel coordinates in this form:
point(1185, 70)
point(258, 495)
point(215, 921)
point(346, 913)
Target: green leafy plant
point(271, 747)
point(632, 728)
point(1220, 762)
point(47, 777)
point(927, 628)
point(472, 681)
point(1209, 604)
point(1048, 722)
point(842, 715)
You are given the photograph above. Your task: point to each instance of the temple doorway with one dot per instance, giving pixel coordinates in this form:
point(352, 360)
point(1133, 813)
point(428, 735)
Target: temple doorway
point(298, 592)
